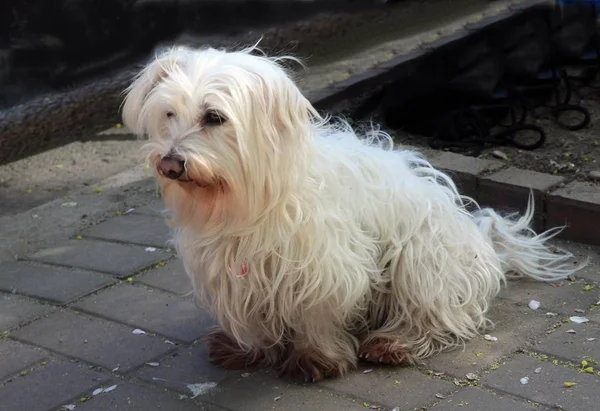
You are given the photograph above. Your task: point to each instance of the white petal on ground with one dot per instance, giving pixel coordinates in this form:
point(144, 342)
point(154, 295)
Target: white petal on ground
point(551, 314)
point(591, 339)
point(111, 388)
point(137, 331)
point(579, 320)
point(98, 391)
point(490, 338)
point(201, 389)
point(368, 371)
point(534, 305)
point(572, 331)
point(153, 364)
point(524, 380)
point(69, 407)
point(538, 370)
point(150, 249)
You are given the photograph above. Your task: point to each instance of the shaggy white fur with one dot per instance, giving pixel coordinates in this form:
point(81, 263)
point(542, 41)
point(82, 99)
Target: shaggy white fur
point(313, 245)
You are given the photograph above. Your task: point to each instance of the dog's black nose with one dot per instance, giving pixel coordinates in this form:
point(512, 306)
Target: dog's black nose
point(171, 167)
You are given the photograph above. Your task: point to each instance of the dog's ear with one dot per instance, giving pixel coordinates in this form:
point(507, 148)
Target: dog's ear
point(136, 93)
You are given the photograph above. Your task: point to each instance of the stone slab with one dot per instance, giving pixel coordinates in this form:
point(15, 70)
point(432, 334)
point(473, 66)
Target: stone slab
point(515, 327)
point(470, 398)
point(572, 347)
point(390, 385)
point(133, 397)
point(508, 191)
point(560, 297)
point(16, 357)
point(61, 285)
point(115, 259)
point(150, 310)
point(258, 392)
point(577, 205)
point(132, 229)
point(15, 310)
point(171, 277)
point(547, 386)
point(185, 367)
point(48, 387)
point(93, 340)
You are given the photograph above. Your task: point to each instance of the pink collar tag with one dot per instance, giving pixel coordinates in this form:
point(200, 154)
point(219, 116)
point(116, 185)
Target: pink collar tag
point(244, 269)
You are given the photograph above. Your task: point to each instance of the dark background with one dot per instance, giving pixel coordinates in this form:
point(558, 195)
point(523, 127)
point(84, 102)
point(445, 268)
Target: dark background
point(50, 45)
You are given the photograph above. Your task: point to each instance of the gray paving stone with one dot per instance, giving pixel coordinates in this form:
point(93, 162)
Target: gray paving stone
point(389, 386)
point(563, 298)
point(189, 366)
point(151, 310)
point(573, 347)
point(16, 357)
point(56, 284)
point(514, 327)
point(15, 310)
point(132, 229)
point(261, 393)
point(481, 399)
point(155, 208)
point(93, 340)
point(131, 397)
point(48, 387)
point(171, 277)
point(547, 386)
point(115, 259)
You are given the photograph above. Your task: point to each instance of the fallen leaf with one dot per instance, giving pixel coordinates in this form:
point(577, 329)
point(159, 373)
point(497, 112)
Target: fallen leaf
point(200, 389)
point(579, 320)
point(98, 190)
point(471, 376)
point(79, 237)
point(570, 384)
point(440, 396)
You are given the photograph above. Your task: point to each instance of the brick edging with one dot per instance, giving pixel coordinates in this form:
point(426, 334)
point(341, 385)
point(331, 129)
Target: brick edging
point(496, 184)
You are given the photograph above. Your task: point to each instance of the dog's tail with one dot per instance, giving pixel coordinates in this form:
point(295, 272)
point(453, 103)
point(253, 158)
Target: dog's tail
point(522, 252)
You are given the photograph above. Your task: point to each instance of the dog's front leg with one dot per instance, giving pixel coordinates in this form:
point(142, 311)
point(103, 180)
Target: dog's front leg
point(318, 352)
point(225, 351)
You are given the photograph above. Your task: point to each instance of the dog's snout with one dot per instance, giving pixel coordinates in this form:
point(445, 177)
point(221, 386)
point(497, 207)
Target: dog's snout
point(171, 167)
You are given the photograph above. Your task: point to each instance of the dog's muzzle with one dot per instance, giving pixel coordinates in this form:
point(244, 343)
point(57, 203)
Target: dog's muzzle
point(171, 166)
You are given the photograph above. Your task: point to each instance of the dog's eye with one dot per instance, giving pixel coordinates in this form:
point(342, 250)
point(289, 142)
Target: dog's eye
point(170, 114)
point(213, 118)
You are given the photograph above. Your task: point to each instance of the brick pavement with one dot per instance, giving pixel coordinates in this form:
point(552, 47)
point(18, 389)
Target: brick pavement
point(111, 307)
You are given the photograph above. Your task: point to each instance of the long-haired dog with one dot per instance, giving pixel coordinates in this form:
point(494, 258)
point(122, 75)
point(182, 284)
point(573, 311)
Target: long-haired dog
point(314, 246)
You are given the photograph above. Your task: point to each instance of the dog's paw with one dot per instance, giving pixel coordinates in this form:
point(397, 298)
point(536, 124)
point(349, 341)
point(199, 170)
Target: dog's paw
point(310, 367)
point(227, 353)
point(385, 351)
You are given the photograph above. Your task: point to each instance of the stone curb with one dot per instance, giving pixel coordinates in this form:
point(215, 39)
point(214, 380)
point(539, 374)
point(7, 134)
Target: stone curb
point(492, 183)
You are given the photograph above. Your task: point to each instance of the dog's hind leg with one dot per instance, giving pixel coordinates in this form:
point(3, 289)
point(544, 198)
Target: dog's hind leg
point(385, 349)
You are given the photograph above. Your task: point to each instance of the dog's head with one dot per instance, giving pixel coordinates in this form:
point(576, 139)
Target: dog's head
point(229, 132)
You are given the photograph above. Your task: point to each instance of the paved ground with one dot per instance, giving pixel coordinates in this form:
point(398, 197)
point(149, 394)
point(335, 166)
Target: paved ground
point(102, 321)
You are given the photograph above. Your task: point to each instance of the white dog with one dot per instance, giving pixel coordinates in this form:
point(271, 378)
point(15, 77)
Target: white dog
point(314, 246)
